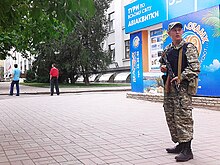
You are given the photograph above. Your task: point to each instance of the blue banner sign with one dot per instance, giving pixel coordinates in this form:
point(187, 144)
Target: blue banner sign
point(178, 8)
point(203, 4)
point(202, 29)
point(144, 13)
point(136, 64)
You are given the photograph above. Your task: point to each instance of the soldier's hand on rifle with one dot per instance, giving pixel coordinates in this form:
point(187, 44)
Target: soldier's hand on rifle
point(174, 79)
point(163, 68)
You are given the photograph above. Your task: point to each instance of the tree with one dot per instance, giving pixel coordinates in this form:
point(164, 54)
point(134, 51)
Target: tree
point(60, 52)
point(26, 23)
point(91, 34)
point(81, 51)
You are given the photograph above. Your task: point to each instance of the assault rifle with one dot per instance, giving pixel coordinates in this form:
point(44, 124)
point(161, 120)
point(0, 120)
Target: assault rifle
point(169, 72)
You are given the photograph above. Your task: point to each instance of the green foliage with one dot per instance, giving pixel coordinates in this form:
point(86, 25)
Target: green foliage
point(42, 79)
point(30, 76)
point(26, 23)
point(14, 11)
point(42, 64)
point(80, 52)
point(91, 33)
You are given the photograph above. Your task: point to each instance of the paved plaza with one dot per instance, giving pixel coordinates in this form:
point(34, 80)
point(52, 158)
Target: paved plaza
point(96, 128)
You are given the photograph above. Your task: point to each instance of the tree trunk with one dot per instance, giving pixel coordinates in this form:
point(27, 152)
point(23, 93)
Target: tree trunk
point(86, 79)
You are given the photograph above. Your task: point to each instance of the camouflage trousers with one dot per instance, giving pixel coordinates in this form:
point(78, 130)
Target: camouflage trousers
point(178, 112)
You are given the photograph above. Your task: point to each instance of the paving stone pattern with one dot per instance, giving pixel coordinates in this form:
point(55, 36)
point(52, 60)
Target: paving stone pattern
point(96, 129)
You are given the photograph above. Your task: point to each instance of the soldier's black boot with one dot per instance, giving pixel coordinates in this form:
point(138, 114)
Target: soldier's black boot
point(176, 150)
point(186, 154)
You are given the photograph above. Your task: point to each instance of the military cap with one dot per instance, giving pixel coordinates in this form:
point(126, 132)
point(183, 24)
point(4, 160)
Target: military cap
point(174, 24)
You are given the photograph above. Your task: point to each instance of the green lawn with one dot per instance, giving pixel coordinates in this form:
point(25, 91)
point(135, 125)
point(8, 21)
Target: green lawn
point(78, 85)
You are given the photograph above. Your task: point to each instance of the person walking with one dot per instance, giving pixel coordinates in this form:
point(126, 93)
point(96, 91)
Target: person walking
point(54, 75)
point(15, 80)
point(178, 90)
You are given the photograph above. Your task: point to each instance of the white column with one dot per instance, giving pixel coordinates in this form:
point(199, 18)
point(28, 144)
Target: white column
point(119, 43)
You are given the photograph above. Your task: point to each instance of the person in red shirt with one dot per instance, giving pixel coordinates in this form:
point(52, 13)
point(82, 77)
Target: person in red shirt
point(54, 75)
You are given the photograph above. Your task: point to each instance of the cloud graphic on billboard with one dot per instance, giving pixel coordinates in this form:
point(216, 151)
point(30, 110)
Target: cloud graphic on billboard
point(213, 67)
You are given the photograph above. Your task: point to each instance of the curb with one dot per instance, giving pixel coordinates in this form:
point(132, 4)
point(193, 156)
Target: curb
point(78, 91)
point(212, 103)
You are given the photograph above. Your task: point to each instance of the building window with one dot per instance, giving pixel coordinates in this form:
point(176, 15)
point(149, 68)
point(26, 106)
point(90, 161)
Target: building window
point(111, 18)
point(127, 49)
point(111, 49)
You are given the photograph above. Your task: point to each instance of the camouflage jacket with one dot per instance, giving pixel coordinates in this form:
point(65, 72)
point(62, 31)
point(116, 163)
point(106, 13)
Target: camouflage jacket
point(190, 73)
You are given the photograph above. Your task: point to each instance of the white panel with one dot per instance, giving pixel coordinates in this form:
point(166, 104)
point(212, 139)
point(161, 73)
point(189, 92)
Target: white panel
point(105, 77)
point(92, 77)
point(80, 79)
point(122, 76)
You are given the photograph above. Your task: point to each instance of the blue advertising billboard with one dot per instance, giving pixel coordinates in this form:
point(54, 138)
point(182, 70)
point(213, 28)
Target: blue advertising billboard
point(136, 62)
point(144, 13)
point(178, 8)
point(201, 4)
point(202, 29)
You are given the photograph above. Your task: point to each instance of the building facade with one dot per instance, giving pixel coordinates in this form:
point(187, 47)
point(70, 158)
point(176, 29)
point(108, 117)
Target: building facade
point(147, 21)
point(117, 41)
point(24, 64)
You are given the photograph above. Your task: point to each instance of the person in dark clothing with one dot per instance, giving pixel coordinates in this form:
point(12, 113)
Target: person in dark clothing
point(54, 75)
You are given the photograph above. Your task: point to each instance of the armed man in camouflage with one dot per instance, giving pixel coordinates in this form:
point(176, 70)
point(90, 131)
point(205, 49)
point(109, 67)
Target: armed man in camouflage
point(183, 59)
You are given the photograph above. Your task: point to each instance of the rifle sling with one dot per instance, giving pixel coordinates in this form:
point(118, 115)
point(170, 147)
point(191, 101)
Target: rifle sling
point(180, 64)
